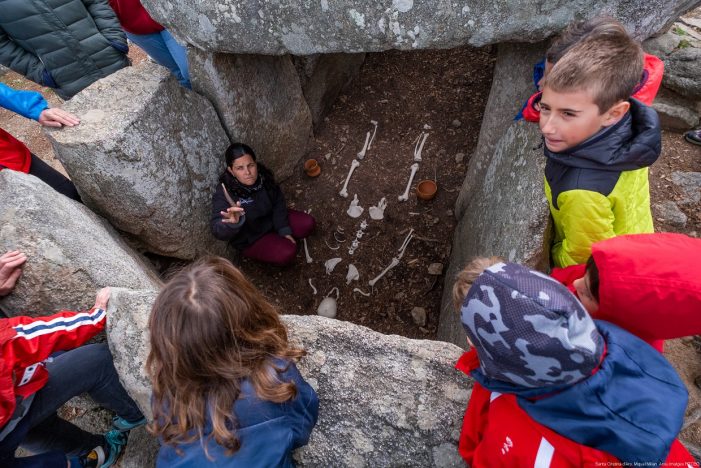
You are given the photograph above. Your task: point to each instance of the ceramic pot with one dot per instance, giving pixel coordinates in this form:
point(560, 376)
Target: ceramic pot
point(426, 189)
point(312, 168)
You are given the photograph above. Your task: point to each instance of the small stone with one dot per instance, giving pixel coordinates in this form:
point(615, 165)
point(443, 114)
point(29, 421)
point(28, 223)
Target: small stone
point(327, 156)
point(441, 153)
point(419, 316)
point(690, 184)
point(456, 123)
point(668, 212)
point(435, 269)
point(459, 158)
point(449, 212)
point(399, 296)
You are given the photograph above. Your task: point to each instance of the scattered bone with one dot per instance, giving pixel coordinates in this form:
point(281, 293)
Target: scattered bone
point(306, 251)
point(427, 127)
point(405, 195)
point(331, 263)
point(339, 236)
point(328, 306)
point(378, 212)
point(353, 274)
point(344, 190)
point(363, 225)
point(361, 153)
point(354, 211)
point(353, 247)
point(312, 285)
point(419, 147)
point(358, 290)
point(393, 263)
point(329, 245)
point(374, 122)
point(405, 244)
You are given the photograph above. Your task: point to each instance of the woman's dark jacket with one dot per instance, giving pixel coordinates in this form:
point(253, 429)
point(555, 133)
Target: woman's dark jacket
point(62, 44)
point(265, 211)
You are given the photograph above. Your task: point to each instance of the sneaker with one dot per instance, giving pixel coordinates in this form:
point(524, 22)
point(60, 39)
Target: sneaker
point(122, 425)
point(107, 454)
point(693, 137)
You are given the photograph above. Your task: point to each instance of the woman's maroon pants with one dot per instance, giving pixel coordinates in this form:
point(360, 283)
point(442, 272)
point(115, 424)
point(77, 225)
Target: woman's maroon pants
point(277, 250)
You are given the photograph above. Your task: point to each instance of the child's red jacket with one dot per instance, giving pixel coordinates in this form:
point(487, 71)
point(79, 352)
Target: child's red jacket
point(25, 342)
point(497, 432)
point(653, 69)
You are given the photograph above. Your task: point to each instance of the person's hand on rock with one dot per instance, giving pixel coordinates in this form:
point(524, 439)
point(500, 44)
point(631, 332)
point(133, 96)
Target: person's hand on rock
point(10, 270)
point(102, 298)
point(55, 117)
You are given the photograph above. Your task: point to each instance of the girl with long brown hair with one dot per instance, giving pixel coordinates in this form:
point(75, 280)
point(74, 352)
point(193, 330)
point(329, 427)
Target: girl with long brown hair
point(226, 390)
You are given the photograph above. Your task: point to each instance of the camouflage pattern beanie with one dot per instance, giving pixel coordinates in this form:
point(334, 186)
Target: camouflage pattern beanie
point(528, 329)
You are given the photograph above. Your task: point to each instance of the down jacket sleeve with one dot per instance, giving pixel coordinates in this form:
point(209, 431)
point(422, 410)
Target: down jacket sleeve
point(585, 217)
point(107, 22)
point(20, 60)
point(28, 104)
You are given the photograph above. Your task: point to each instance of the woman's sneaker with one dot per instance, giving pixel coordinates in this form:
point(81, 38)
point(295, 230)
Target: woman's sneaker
point(122, 425)
point(693, 137)
point(106, 455)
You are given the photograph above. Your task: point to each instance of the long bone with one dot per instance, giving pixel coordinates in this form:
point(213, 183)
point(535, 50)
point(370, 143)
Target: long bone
point(419, 147)
point(405, 195)
point(374, 122)
point(344, 190)
point(361, 153)
point(395, 260)
point(306, 251)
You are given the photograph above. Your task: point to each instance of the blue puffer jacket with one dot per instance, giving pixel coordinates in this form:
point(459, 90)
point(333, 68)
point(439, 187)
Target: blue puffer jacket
point(268, 431)
point(62, 44)
point(28, 104)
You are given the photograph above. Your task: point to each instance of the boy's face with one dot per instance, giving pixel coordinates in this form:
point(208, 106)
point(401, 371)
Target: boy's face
point(585, 295)
point(569, 118)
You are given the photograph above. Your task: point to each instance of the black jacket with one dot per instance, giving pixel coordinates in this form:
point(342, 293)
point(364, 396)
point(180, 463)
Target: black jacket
point(265, 211)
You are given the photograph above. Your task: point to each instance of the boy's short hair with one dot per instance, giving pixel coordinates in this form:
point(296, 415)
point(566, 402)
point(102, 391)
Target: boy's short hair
point(576, 31)
point(609, 65)
point(468, 275)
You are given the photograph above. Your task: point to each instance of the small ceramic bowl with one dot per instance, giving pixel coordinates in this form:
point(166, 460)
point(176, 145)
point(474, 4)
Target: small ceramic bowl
point(312, 168)
point(426, 189)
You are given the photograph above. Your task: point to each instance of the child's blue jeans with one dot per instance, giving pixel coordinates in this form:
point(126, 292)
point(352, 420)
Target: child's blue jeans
point(166, 51)
point(88, 369)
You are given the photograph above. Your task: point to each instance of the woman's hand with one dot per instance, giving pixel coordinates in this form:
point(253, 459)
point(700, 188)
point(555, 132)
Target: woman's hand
point(233, 214)
point(55, 117)
point(102, 298)
point(10, 270)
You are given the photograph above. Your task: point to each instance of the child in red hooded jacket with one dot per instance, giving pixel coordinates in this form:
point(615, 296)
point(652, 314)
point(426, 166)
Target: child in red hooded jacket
point(555, 388)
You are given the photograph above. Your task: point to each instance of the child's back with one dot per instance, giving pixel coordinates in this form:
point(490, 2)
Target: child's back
point(598, 145)
point(226, 391)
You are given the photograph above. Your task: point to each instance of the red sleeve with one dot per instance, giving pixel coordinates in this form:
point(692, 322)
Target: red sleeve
point(653, 69)
point(678, 456)
point(474, 422)
point(530, 112)
point(35, 339)
point(568, 275)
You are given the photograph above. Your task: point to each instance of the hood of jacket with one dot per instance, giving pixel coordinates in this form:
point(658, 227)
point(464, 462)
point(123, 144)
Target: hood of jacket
point(632, 143)
point(632, 407)
point(649, 284)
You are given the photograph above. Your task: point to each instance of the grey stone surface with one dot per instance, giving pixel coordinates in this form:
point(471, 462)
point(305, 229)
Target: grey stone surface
point(669, 213)
point(323, 77)
point(682, 72)
point(690, 183)
point(323, 26)
point(71, 251)
point(501, 207)
point(385, 400)
point(260, 102)
point(675, 114)
point(141, 450)
point(147, 156)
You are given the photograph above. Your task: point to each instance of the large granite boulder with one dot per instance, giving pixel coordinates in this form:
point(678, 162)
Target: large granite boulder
point(147, 156)
point(260, 102)
point(306, 28)
point(72, 252)
point(502, 208)
point(385, 400)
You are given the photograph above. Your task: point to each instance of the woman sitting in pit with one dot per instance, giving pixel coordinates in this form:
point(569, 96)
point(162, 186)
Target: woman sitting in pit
point(249, 211)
